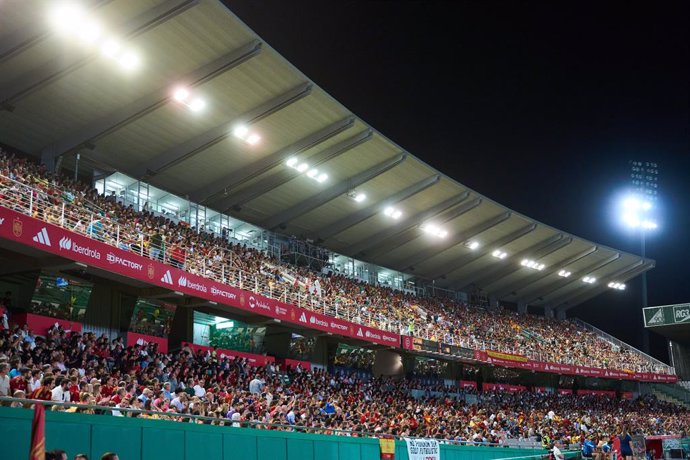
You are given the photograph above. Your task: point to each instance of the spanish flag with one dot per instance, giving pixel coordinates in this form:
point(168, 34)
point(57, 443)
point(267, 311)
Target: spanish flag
point(387, 449)
point(38, 434)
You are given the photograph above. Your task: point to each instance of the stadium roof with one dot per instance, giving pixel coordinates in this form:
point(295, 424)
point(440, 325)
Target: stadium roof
point(60, 95)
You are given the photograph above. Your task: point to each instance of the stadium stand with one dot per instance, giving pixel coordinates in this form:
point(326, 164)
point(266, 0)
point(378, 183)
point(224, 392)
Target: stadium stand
point(80, 209)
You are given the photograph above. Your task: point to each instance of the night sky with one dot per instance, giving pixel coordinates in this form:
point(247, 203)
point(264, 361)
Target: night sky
point(538, 105)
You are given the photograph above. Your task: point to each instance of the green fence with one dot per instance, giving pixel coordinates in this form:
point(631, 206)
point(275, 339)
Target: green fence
point(144, 439)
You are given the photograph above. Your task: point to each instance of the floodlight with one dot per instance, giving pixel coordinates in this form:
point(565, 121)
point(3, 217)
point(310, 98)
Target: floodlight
point(312, 173)
point(499, 254)
point(241, 132)
point(197, 105)
point(564, 273)
point(589, 279)
point(253, 139)
point(66, 18)
point(322, 178)
point(129, 60)
point(302, 167)
point(359, 197)
point(397, 214)
point(472, 245)
point(389, 211)
point(292, 162)
point(111, 48)
point(181, 94)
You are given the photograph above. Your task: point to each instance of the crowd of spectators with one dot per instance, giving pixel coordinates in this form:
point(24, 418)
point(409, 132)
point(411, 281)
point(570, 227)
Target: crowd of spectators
point(106, 377)
point(80, 208)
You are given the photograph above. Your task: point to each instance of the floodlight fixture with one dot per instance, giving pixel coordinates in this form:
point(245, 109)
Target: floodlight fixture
point(472, 245)
point(129, 60)
point(302, 167)
point(435, 230)
point(589, 279)
point(292, 162)
point(617, 285)
point(564, 273)
point(392, 212)
point(499, 254)
point(360, 197)
point(532, 264)
point(253, 139)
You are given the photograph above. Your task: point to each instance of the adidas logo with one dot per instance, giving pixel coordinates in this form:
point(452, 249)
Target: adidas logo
point(182, 281)
point(359, 333)
point(65, 243)
point(42, 237)
point(657, 318)
point(303, 318)
point(167, 278)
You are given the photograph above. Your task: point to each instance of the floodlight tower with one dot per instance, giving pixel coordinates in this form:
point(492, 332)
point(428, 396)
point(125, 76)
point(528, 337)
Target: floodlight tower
point(639, 213)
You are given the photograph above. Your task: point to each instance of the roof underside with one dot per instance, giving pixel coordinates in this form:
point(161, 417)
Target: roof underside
point(59, 98)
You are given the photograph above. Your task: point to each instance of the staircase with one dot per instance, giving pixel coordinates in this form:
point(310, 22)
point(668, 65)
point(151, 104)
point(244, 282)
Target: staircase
point(673, 393)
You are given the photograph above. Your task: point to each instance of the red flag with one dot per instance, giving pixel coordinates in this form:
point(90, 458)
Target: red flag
point(38, 434)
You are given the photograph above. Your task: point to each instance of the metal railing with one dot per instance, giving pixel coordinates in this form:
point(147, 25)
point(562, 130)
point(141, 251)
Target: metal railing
point(24, 403)
point(58, 206)
point(588, 327)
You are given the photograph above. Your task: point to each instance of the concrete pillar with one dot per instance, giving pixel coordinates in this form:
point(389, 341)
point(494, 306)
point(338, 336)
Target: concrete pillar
point(549, 311)
point(522, 307)
point(182, 329)
point(560, 314)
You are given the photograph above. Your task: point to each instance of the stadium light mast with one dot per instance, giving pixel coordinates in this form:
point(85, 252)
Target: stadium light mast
point(638, 212)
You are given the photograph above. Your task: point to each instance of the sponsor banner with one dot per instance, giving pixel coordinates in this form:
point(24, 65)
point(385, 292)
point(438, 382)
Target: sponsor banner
point(33, 232)
point(564, 391)
point(143, 340)
point(40, 324)
point(607, 393)
point(465, 384)
point(541, 390)
point(567, 369)
point(306, 365)
point(506, 356)
point(628, 395)
point(503, 387)
point(455, 350)
point(423, 449)
point(252, 359)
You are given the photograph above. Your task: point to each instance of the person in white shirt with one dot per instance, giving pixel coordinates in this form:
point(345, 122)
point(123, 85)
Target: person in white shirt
point(124, 404)
point(557, 454)
point(199, 389)
point(61, 391)
point(256, 385)
point(4, 380)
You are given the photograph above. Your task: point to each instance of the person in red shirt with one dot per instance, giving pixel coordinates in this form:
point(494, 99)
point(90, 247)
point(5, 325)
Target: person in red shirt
point(44, 392)
point(74, 389)
point(20, 382)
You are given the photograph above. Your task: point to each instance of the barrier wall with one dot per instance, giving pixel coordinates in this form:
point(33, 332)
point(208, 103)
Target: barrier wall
point(141, 439)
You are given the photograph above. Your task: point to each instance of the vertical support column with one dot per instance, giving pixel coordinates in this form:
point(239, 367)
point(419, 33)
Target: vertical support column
point(522, 308)
point(560, 314)
point(549, 311)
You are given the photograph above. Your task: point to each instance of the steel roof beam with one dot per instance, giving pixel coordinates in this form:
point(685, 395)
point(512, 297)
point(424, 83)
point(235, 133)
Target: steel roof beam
point(625, 276)
point(198, 144)
point(410, 223)
point(283, 175)
point(88, 134)
point(351, 220)
point(481, 277)
point(510, 269)
point(573, 278)
point(39, 78)
point(540, 275)
point(331, 193)
point(425, 254)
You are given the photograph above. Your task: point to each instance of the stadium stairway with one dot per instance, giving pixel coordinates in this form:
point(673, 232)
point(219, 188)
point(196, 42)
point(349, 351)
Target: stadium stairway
point(672, 393)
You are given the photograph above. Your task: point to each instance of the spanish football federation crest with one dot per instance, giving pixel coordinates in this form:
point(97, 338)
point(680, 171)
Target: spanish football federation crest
point(17, 227)
point(150, 271)
point(242, 300)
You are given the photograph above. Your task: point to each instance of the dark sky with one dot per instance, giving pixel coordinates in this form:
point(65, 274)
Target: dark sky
point(538, 105)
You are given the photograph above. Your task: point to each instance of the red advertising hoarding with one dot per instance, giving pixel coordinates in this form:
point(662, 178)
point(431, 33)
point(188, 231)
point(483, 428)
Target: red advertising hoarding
point(252, 359)
point(503, 387)
point(24, 229)
point(40, 324)
point(134, 338)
